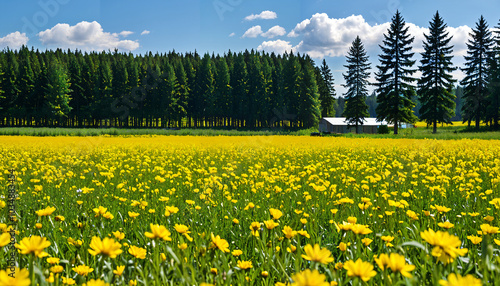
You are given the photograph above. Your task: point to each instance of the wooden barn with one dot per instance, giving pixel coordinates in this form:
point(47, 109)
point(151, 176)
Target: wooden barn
point(339, 125)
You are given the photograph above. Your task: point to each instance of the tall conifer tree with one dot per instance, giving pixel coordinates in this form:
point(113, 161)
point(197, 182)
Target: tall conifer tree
point(394, 81)
point(436, 84)
point(356, 79)
point(476, 69)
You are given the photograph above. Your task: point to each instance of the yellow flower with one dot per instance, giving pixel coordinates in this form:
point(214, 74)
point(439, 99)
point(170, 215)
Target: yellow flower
point(83, 270)
point(169, 210)
point(289, 232)
point(244, 264)
point(56, 269)
point(119, 270)
point(396, 263)
point(488, 218)
point(441, 209)
point(475, 239)
point(107, 247)
point(184, 230)
point(270, 224)
point(275, 213)
point(4, 239)
point(97, 282)
point(309, 278)
point(361, 269)
point(366, 241)
point(236, 221)
point(303, 220)
point(342, 246)
point(51, 279)
point(118, 235)
point(59, 218)
point(53, 260)
point(158, 231)
point(34, 244)
point(213, 271)
point(352, 219)
point(133, 214)
point(321, 255)
point(488, 229)
point(446, 225)
point(387, 238)
point(132, 283)
point(249, 206)
point(137, 252)
point(458, 280)
point(303, 233)
point(264, 273)
point(19, 277)
point(46, 211)
point(255, 227)
point(100, 210)
point(360, 229)
point(68, 281)
point(339, 265)
point(411, 214)
point(38, 225)
point(446, 246)
point(220, 243)
point(496, 241)
point(108, 215)
point(291, 249)
point(237, 252)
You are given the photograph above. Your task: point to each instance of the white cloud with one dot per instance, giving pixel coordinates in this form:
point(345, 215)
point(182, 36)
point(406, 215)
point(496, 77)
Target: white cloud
point(253, 32)
point(232, 34)
point(125, 33)
point(264, 15)
point(322, 36)
point(278, 46)
point(85, 36)
point(274, 32)
point(14, 40)
point(145, 32)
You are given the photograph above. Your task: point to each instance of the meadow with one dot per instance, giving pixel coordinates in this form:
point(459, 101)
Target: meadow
point(250, 210)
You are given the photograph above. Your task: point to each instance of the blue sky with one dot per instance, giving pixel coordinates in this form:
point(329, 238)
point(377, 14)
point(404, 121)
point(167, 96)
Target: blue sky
point(321, 28)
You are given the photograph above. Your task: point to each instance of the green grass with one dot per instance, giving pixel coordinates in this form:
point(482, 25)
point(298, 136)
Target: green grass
point(443, 133)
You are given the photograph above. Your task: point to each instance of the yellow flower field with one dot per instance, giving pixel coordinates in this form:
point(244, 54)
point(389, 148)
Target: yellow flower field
point(274, 210)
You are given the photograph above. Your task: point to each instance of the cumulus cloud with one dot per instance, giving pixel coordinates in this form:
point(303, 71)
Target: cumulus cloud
point(322, 36)
point(264, 15)
point(253, 32)
point(145, 32)
point(125, 33)
point(278, 46)
point(274, 32)
point(14, 40)
point(85, 36)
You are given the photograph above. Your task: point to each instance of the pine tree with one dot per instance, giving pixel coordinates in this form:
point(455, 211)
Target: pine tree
point(239, 85)
point(309, 110)
point(436, 84)
point(57, 92)
point(476, 68)
point(493, 98)
point(356, 79)
point(326, 91)
point(292, 80)
point(182, 94)
point(204, 87)
point(222, 91)
point(394, 79)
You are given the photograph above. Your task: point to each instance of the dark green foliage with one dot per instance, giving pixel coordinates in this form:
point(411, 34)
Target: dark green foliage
point(476, 68)
point(394, 81)
point(356, 79)
point(326, 90)
point(114, 89)
point(493, 97)
point(436, 84)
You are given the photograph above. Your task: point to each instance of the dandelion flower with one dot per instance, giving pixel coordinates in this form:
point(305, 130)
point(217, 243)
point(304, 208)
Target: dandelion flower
point(315, 253)
point(107, 247)
point(361, 269)
point(158, 231)
point(34, 244)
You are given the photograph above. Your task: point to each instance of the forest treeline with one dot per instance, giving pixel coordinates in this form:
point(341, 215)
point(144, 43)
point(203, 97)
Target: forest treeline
point(247, 89)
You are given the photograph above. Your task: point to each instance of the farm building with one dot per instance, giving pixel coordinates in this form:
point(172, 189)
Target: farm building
point(339, 125)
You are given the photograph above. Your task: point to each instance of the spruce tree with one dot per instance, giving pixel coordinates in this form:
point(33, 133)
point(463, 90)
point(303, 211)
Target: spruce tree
point(356, 80)
point(476, 70)
point(309, 105)
point(326, 91)
point(436, 84)
point(394, 81)
point(57, 93)
point(493, 98)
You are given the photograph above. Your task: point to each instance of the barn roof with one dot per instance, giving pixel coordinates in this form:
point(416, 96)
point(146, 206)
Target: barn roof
point(368, 121)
